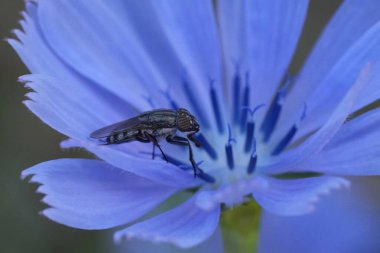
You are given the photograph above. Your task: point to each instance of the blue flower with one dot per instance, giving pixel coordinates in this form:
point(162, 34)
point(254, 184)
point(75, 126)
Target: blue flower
point(94, 64)
point(344, 222)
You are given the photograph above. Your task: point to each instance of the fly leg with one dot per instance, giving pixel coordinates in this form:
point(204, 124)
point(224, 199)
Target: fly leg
point(142, 139)
point(155, 143)
point(182, 141)
point(193, 139)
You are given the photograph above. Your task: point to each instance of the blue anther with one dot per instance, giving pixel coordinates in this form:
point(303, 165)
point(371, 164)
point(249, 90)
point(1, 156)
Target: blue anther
point(202, 175)
point(189, 167)
point(285, 141)
point(303, 115)
point(289, 136)
point(195, 105)
point(246, 96)
point(215, 106)
point(207, 147)
point(171, 160)
point(230, 156)
point(149, 100)
point(253, 159)
point(252, 163)
point(230, 139)
point(229, 151)
point(185, 167)
point(173, 104)
point(206, 177)
point(271, 118)
point(249, 136)
point(236, 98)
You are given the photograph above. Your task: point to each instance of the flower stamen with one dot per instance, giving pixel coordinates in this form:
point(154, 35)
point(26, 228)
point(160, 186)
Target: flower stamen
point(246, 96)
point(249, 136)
point(236, 97)
point(207, 146)
point(149, 100)
point(195, 105)
point(289, 136)
point(253, 159)
point(250, 127)
point(215, 106)
point(274, 111)
point(172, 103)
point(206, 177)
point(201, 174)
point(229, 151)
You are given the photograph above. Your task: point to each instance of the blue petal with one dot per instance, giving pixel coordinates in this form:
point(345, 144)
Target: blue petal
point(39, 58)
point(185, 226)
point(155, 170)
point(90, 194)
point(344, 222)
point(75, 114)
point(32, 49)
point(371, 92)
point(213, 244)
point(314, 144)
point(296, 196)
point(72, 116)
point(348, 43)
point(136, 48)
point(354, 151)
point(260, 36)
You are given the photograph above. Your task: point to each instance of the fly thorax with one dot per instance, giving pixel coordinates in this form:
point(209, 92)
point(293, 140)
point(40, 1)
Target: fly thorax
point(164, 132)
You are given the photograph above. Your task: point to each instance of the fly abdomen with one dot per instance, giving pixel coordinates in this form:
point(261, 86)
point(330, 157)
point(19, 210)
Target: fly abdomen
point(121, 137)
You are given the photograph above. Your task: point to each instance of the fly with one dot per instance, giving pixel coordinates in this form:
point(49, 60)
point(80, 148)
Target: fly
point(153, 126)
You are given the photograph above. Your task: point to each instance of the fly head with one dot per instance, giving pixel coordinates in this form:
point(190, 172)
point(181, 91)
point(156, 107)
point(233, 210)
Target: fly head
point(186, 122)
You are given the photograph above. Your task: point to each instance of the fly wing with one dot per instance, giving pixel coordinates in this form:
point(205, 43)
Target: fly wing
point(129, 124)
point(155, 119)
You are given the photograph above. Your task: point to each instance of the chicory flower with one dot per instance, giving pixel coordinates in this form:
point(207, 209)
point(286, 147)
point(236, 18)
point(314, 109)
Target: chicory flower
point(97, 63)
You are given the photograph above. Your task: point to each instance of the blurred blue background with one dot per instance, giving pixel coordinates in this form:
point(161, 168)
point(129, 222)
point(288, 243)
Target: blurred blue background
point(25, 141)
